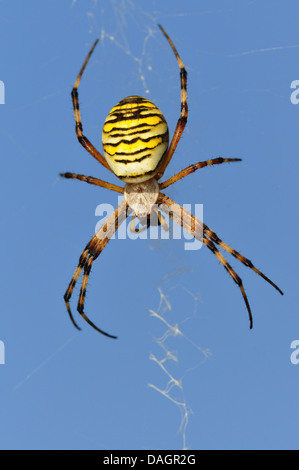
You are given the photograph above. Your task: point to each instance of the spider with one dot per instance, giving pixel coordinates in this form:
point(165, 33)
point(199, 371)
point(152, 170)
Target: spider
point(136, 149)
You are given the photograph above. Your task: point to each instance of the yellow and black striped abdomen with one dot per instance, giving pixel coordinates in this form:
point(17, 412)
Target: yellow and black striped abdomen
point(135, 139)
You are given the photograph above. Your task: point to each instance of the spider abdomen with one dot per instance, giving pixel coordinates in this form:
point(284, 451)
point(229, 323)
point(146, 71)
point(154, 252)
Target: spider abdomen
point(135, 139)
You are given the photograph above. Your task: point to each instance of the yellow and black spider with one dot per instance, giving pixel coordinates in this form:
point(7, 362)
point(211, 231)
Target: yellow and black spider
point(135, 142)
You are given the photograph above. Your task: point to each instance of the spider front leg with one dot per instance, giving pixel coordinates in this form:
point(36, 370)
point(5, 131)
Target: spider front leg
point(182, 121)
point(92, 250)
point(79, 128)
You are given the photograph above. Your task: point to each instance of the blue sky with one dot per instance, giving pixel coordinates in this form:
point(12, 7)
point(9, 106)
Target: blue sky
point(64, 389)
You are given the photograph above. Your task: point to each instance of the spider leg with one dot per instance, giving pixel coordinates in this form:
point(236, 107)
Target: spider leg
point(214, 237)
point(92, 180)
point(135, 229)
point(190, 169)
point(79, 128)
point(209, 244)
point(82, 295)
point(182, 121)
point(161, 220)
point(92, 250)
point(200, 231)
point(72, 284)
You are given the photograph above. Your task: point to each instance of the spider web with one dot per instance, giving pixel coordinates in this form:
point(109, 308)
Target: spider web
point(111, 21)
point(173, 390)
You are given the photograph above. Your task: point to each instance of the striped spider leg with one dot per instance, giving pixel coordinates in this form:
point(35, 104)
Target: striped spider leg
point(92, 180)
point(196, 166)
point(92, 250)
point(79, 128)
point(209, 238)
point(182, 121)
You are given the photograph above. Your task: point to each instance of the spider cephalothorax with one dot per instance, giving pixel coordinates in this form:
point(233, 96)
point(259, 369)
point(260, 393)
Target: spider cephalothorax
point(135, 144)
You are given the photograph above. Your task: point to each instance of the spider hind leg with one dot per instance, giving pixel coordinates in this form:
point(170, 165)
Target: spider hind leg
point(92, 250)
point(202, 233)
point(210, 245)
point(85, 262)
point(214, 238)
